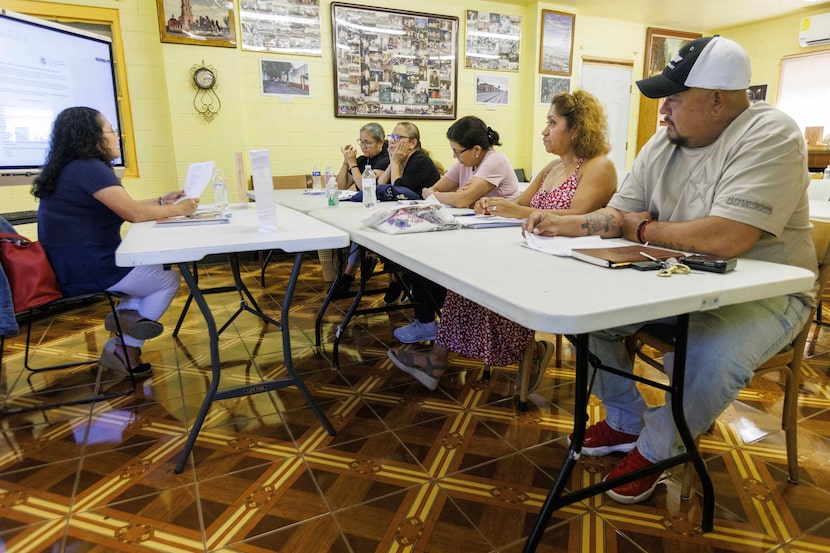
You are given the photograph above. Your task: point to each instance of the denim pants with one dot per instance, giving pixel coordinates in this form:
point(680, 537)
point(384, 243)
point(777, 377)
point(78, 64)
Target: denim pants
point(725, 346)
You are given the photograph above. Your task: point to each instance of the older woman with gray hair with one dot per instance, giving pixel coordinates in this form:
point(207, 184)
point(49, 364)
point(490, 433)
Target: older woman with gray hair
point(372, 143)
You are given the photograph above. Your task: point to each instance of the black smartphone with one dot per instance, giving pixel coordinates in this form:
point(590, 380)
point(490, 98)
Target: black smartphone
point(646, 266)
point(710, 263)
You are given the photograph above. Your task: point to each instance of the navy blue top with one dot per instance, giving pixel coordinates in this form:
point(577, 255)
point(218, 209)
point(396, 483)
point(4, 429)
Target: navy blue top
point(79, 233)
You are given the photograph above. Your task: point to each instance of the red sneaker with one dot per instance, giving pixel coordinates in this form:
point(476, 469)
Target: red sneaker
point(601, 439)
point(636, 491)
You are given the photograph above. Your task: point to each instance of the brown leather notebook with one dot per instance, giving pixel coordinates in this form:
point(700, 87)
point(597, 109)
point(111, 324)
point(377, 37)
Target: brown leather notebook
point(622, 256)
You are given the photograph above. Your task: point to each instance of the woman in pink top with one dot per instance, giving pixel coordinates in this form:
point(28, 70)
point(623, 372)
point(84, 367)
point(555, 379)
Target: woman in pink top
point(479, 170)
point(581, 180)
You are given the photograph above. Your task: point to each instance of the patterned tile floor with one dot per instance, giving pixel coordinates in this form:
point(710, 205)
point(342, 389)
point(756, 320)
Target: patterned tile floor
point(457, 469)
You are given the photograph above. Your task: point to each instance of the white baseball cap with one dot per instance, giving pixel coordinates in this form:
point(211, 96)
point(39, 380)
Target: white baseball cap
point(714, 62)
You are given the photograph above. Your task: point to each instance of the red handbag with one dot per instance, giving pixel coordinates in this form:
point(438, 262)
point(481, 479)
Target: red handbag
point(31, 277)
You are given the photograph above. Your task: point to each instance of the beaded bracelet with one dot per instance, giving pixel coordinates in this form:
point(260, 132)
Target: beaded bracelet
point(641, 228)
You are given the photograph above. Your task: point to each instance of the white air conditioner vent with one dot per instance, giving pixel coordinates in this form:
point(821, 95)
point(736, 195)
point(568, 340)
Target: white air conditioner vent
point(814, 30)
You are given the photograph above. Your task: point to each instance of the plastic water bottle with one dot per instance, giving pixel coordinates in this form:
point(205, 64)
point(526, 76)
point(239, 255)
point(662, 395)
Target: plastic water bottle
point(220, 192)
point(827, 173)
point(316, 182)
point(332, 192)
point(369, 183)
point(329, 174)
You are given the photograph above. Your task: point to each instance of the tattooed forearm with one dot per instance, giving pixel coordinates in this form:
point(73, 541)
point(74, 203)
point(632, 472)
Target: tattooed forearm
point(599, 222)
point(676, 246)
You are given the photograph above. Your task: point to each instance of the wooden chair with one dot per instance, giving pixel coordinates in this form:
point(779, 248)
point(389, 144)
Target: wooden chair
point(821, 240)
point(787, 361)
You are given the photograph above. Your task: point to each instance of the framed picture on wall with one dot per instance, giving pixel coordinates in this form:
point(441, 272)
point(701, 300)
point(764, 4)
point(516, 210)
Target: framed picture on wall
point(206, 24)
point(556, 46)
point(661, 45)
point(393, 64)
point(286, 26)
point(492, 89)
point(550, 86)
point(493, 41)
point(284, 78)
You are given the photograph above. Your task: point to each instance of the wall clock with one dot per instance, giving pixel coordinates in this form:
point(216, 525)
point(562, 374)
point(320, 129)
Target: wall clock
point(205, 102)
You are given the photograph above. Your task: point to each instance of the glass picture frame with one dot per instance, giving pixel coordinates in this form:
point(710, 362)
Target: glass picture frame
point(493, 41)
point(556, 45)
point(205, 25)
point(661, 45)
point(393, 63)
point(283, 26)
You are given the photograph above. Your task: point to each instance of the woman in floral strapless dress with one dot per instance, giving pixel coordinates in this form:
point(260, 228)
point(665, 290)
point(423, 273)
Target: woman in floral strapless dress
point(581, 180)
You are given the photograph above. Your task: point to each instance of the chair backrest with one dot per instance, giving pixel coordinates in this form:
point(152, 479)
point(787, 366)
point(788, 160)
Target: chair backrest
point(283, 182)
point(821, 241)
point(286, 182)
point(520, 174)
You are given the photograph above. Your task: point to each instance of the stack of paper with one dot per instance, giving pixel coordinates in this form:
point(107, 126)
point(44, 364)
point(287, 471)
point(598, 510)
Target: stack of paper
point(487, 221)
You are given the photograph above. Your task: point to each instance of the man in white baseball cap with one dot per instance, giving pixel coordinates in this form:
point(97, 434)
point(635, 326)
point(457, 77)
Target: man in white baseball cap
point(712, 62)
point(722, 177)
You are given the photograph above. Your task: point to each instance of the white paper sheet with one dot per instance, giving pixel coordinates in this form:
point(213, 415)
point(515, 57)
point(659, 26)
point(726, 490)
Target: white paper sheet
point(264, 189)
point(198, 176)
point(562, 245)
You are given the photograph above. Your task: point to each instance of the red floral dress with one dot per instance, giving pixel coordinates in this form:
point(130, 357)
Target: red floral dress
point(474, 331)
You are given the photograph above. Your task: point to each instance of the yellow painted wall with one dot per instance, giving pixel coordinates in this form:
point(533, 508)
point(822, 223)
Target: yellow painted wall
point(169, 135)
point(769, 41)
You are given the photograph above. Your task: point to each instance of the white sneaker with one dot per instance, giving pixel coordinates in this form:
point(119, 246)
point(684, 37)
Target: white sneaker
point(416, 332)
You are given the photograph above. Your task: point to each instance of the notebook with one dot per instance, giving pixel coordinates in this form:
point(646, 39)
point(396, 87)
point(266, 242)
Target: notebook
point(197, 218)
point(622, 256)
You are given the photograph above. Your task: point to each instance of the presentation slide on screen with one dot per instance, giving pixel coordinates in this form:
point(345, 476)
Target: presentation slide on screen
point(42, 72)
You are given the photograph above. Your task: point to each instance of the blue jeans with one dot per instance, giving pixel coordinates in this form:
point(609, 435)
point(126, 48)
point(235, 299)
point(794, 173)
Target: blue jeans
point(725, 346)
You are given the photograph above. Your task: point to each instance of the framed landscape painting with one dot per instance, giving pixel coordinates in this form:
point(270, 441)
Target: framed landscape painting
point(556, 46)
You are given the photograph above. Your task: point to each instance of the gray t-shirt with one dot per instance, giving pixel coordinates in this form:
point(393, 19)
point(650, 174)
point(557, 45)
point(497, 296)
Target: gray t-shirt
point(754, 173)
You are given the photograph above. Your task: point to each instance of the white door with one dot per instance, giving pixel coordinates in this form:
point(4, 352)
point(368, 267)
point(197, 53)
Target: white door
point(611, 84)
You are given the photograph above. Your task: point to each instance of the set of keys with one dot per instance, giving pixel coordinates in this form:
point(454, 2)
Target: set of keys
point(669, 267)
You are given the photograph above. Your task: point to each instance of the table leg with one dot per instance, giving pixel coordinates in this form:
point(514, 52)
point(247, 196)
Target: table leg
point(214, 363)
point(556, 498)
point(246, 389)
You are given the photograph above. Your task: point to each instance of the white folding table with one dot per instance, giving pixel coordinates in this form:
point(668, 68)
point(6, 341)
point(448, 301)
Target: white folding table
point(147, 244)
point(565, 296)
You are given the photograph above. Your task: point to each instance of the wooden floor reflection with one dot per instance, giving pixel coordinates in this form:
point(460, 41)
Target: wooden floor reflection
point(457, 469)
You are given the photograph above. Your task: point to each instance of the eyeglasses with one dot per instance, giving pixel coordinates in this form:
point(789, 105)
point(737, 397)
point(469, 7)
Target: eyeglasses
point(457, 153)
point(366, 142)
point(113, 131)
point(396, 137)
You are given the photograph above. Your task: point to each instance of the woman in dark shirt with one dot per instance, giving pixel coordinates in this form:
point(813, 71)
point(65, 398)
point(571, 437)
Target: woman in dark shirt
point(410, 165)
point(82, 208)
point(375, 151)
